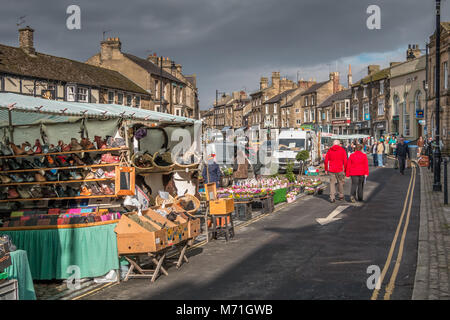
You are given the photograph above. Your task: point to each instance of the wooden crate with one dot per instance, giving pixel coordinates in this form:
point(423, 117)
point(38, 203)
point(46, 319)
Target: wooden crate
point(221, 206)
point(175, 233)
point(133, 239)
point(192, 223)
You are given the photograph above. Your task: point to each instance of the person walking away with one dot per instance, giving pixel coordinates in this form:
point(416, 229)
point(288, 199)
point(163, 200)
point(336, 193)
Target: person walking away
point(240, 166)
point(401, 154)
point(374, 153)
point(336, 164)
point(211, 171)
point(358, 170)
point(420, 145)
point(380, 152)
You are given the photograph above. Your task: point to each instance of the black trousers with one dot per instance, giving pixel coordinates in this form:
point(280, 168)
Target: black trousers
point(401, 164)
point(357, 187)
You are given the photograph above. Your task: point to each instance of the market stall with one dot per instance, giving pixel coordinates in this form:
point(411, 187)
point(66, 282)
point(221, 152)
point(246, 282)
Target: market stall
point(70, 175)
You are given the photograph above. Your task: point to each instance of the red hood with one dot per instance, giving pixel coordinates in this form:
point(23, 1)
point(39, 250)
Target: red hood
point(335, 148)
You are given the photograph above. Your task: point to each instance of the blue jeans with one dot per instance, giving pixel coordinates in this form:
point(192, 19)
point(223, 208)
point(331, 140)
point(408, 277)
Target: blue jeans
point(375, 159)
point(380, 159)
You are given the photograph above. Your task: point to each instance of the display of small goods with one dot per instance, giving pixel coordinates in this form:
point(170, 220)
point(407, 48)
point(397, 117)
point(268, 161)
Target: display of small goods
point(312, 186)
point(239, 193)
point(55, 217)
point(227, 172)
point(293, 194)
point(76, 169)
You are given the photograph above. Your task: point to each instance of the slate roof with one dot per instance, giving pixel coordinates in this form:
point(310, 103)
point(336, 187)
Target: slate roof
point(314, 88)
point(15, 61)
point(279, 96)
point(341, 95)
point(152, 68)
point(382, 74)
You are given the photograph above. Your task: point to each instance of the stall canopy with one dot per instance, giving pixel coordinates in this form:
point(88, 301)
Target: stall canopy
point(37, 110)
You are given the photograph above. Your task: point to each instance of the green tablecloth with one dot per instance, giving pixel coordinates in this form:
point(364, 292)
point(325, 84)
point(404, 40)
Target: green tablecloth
point(50, 252)
point(20, 270)
point(279, 195)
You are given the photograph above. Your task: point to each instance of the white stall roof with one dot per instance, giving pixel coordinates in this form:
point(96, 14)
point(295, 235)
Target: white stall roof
point(41, 110)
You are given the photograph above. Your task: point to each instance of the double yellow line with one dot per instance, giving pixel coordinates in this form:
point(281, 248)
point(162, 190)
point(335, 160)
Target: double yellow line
point(406, 210)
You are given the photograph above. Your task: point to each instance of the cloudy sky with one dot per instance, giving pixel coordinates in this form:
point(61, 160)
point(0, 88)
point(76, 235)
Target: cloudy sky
point(230, 44)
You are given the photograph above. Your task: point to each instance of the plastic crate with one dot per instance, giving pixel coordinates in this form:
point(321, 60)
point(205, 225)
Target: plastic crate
point(9, 290)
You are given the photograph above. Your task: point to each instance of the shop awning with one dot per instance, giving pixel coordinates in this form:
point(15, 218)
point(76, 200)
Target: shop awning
point(226, 128)
point(43, 110)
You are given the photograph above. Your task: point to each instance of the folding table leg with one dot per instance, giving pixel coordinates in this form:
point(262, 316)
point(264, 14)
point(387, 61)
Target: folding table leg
point(159, 267)
point(182, 255)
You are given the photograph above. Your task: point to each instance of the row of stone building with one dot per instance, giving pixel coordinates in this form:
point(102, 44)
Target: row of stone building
point(399, 99)
point(110, 76)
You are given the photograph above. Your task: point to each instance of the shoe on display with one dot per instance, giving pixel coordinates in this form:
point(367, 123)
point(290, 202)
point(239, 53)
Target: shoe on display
point(85, 191)
point(51, 177)
point(38, 163)
point(29, 178)
point(39, 177)
point(60, 192)
point(26, 146)
point(71, 192)
point(16, 178)
point(45, 148)
point(53, 149)
point(12, 193)
point(74, 145)
point(110, 174)
point(50, 162)
point(99, 173)
point(36, 192)
point(96, 190)
point(27, 164)
point(101, 144)
point(109, 158)
point(3, 195)
point(63, 176)
point(6, 151)
point(62, 162)
point(16, 150)
point(77, 160)
point(13, 164)
point(87, 160)
point(89, 176)
point(24, 193)
point(87, 144)
point(75, 176)
point(5, 179)
point(37, 147)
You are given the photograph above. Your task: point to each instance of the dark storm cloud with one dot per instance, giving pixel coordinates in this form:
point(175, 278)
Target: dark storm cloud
point(230, 44)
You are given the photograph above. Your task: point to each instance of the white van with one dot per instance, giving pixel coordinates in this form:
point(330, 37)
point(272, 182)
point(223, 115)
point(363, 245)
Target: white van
point(289, 143)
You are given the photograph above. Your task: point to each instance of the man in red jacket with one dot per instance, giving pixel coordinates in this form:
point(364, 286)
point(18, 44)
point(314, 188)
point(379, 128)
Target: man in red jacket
point(358, 169)
point(335, 164)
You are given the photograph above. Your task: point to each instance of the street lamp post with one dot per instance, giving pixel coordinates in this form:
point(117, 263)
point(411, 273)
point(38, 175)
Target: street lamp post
point(437, 152)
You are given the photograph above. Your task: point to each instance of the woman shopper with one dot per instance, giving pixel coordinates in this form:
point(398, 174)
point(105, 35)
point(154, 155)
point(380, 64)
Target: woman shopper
point(420, 145)
point(380, 152)
point(374, 153)
point(358, 170)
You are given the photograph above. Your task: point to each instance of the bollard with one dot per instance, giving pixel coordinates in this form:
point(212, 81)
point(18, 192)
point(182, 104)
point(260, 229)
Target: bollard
point(445, 182)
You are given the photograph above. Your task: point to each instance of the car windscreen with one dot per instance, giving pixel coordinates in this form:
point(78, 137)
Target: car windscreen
point(291, 144)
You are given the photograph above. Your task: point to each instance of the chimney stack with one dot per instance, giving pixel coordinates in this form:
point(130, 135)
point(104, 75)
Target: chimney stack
point(276, 79)
point(373, 68)
point(349, 76)
point(26, 42)
point(264, 83)
point(334, 77)
point(110, 49)
point(413, 52)
point(153, 58)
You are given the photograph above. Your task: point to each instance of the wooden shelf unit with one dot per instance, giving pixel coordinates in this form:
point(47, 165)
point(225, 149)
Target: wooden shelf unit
point(61, 168)
point(59, 198)
point(53, 182)
point(63, 152)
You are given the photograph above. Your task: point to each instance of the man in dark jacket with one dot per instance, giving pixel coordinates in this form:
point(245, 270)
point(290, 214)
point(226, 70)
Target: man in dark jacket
point(336, 164)
point(402, 151)
point(212, 170)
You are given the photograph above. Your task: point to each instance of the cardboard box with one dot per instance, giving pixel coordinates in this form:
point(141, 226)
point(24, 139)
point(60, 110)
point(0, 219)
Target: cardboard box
point(174, 233)
point(221, 206)
point(132, 238)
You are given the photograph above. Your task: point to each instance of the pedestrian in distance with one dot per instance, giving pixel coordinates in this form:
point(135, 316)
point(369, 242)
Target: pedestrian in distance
point(380, 152)
point(374, 153)
point(358, 170)
point(211, 171)
point(402, 151)
point(336, 164)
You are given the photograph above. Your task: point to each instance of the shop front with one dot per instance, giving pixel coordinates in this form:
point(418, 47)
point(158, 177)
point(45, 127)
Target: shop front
point(341, 126)
point(360, 127)
point(379, 129)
